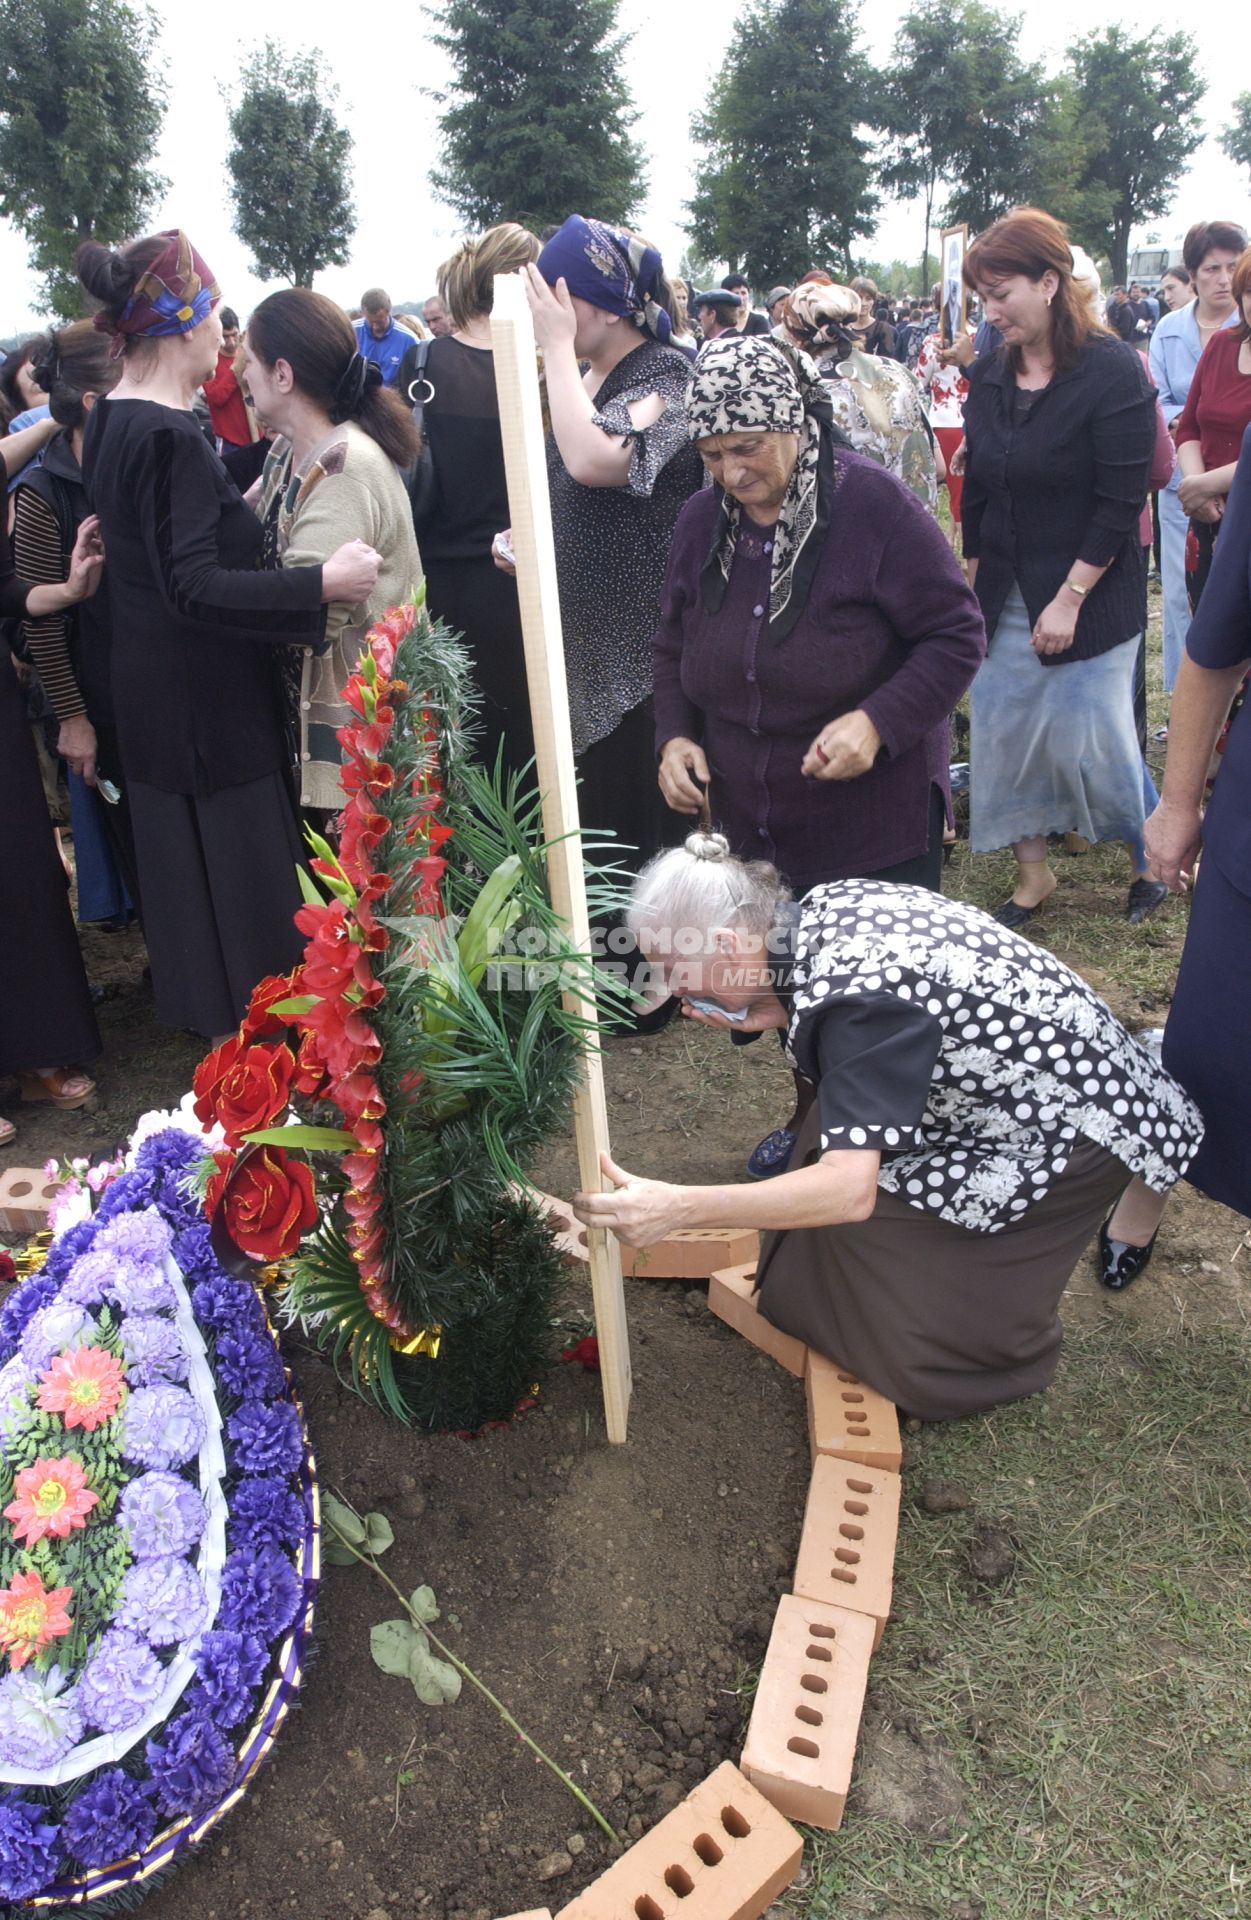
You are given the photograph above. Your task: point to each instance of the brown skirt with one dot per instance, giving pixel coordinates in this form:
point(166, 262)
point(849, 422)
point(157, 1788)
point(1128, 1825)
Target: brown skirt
point(942, 1319)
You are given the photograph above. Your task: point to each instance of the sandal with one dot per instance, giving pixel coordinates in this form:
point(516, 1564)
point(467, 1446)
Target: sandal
point(50, 1086)
point(8, 1132)
point(772, 1155)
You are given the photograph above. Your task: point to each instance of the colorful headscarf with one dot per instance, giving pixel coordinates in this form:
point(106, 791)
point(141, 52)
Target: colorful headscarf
point(609, 268)
point(173, 295)
point(754, 384)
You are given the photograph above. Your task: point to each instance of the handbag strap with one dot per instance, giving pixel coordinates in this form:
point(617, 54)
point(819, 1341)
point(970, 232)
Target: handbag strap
point(419, 380)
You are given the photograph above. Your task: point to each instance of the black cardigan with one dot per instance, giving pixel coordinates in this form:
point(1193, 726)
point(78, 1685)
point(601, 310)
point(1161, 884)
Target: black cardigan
point(1067, 485)
point(196, 690)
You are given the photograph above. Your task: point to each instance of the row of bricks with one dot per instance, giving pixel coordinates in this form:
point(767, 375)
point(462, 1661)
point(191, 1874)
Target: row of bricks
point(805, 1722)
point(725, 1853)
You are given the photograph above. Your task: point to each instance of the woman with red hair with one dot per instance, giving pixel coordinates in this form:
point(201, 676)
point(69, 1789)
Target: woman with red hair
point(1060, 430)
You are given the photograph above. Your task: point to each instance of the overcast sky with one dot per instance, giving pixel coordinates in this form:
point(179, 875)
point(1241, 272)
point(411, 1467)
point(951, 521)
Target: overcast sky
point(383, 64)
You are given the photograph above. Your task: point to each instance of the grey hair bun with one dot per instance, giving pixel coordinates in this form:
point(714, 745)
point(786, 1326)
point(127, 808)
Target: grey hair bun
point(703, 845)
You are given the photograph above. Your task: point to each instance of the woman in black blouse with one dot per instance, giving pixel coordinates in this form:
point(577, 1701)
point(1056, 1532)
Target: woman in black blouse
point(196, 629)
point(1059, 430)
point(978, 1110)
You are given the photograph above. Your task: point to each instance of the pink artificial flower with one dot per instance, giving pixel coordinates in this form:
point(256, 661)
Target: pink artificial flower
point(31, 1615)
point(52, 1498)
point(85, 1385)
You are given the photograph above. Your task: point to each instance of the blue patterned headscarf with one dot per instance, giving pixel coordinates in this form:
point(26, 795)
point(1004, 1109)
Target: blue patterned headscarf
point(611, 269)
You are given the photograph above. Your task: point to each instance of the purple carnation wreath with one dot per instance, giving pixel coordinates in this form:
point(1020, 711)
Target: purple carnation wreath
point(159, 1544)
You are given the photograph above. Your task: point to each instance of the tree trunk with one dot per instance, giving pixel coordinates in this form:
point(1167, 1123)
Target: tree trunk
point(930, 185)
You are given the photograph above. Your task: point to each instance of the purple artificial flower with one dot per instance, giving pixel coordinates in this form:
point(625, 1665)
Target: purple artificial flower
point(54, 1327)
point(127, 1194)
point(142, 1238)
point(63, 1252)
point(261, 1592)
point(228, 1305)
point(136, 1286)
point(264, 1513)
point(30, 1847)
point(191, 1765)
point(163, 1601)
point(161, 1427)
point(16, 1395)
point(91, 1278)
point(230, 1666)
point(248, 1365)
point(113, 1816)
point(153, 1350)
point(193, 1250)
point(171, 1151)
point(266, 1439)
point(162, 1513)
point(39, 1721)
point(23, 1304)
point(122, 1679)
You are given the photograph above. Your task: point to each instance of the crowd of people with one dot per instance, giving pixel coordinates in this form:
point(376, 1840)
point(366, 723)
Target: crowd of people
point(766, 627)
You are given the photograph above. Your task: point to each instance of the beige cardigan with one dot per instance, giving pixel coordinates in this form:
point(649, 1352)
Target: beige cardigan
point(346, 489)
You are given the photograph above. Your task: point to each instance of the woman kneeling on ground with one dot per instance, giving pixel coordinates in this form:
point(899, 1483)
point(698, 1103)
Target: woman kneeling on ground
point(978, 1112)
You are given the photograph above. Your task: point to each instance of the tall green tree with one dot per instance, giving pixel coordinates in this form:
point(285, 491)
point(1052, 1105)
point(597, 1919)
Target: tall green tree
point(289, 167)
point(1137, 98)
point(536, 122)
point(1236, 138)
point(959, 106)
point(81, 105)
point(786, 182)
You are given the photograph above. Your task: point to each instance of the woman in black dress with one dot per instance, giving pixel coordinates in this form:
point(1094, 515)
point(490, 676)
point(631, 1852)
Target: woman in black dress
point(620, 466)
point(469, 502)
point(196, 633)
point(45, 1008)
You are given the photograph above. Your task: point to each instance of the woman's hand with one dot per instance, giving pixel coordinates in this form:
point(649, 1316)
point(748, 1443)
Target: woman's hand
point(86, 561)
point(844, 749)
point(959, 460)
point(502, 552)
point(555, 321)
point(351, 573)
point(1055, 628)
point(1173, 835)
point(960, 353)
point(765, 1019)
point(76, 744)
point(640, 1212)
point(1199, 499)
point(679, 760)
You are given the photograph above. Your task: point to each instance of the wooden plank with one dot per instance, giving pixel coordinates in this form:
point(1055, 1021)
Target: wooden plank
point(525, 464)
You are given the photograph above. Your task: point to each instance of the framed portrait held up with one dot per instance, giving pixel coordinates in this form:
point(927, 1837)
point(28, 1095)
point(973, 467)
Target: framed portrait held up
point(955, 295)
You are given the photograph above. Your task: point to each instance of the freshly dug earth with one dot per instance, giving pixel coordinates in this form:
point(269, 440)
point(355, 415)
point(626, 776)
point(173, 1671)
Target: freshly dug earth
point(618, 1600)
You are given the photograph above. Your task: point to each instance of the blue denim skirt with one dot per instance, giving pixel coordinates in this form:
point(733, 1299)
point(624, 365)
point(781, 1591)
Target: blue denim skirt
point(1052, 749)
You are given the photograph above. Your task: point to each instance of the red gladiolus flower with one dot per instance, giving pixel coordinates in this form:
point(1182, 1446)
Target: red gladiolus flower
point(260, 1022)
point(310, 1074)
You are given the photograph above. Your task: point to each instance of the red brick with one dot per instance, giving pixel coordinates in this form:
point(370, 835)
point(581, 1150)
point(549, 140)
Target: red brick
point(692, 1253)
point(731, 1297)
point(724, 1854)
point(26, 1194)
point(802, 1739)
point(847, 1548)
point(849, 1419)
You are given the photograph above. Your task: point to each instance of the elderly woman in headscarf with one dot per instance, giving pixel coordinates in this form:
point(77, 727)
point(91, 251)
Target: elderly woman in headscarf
point(620, 466)
point(875, 401)
point(816, 632)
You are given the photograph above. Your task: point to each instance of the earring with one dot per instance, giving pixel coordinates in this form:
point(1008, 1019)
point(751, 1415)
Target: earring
point(1047, 299)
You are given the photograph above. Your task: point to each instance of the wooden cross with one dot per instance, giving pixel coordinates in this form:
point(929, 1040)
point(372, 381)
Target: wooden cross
point(525, 463)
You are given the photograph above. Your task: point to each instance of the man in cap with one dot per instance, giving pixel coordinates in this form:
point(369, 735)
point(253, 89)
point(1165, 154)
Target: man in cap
point(718, 312)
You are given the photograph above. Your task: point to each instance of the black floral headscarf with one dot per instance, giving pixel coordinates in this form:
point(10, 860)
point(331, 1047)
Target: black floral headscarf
point(746, 384)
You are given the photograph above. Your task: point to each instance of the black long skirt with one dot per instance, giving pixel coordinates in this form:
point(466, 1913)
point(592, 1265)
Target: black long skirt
point(220, 896)
point(1207, 1041)
point(45, 1007)
point(479, 602)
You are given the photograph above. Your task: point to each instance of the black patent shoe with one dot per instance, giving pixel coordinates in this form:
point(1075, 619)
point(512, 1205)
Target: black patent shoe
point(1119, 1262)
point(1012, 915)
point(1145, 898)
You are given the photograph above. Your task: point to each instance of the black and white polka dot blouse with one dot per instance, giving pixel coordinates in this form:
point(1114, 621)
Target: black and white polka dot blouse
point(972, 1059)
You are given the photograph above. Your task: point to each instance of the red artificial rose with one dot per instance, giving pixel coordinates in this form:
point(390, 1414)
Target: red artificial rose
point(8, 1268)
point(243, 1087)
point(260, 1022)
point(267, 1200)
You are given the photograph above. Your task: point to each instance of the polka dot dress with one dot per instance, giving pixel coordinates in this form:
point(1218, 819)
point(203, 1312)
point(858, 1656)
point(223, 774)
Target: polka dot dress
point(970, 1058)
